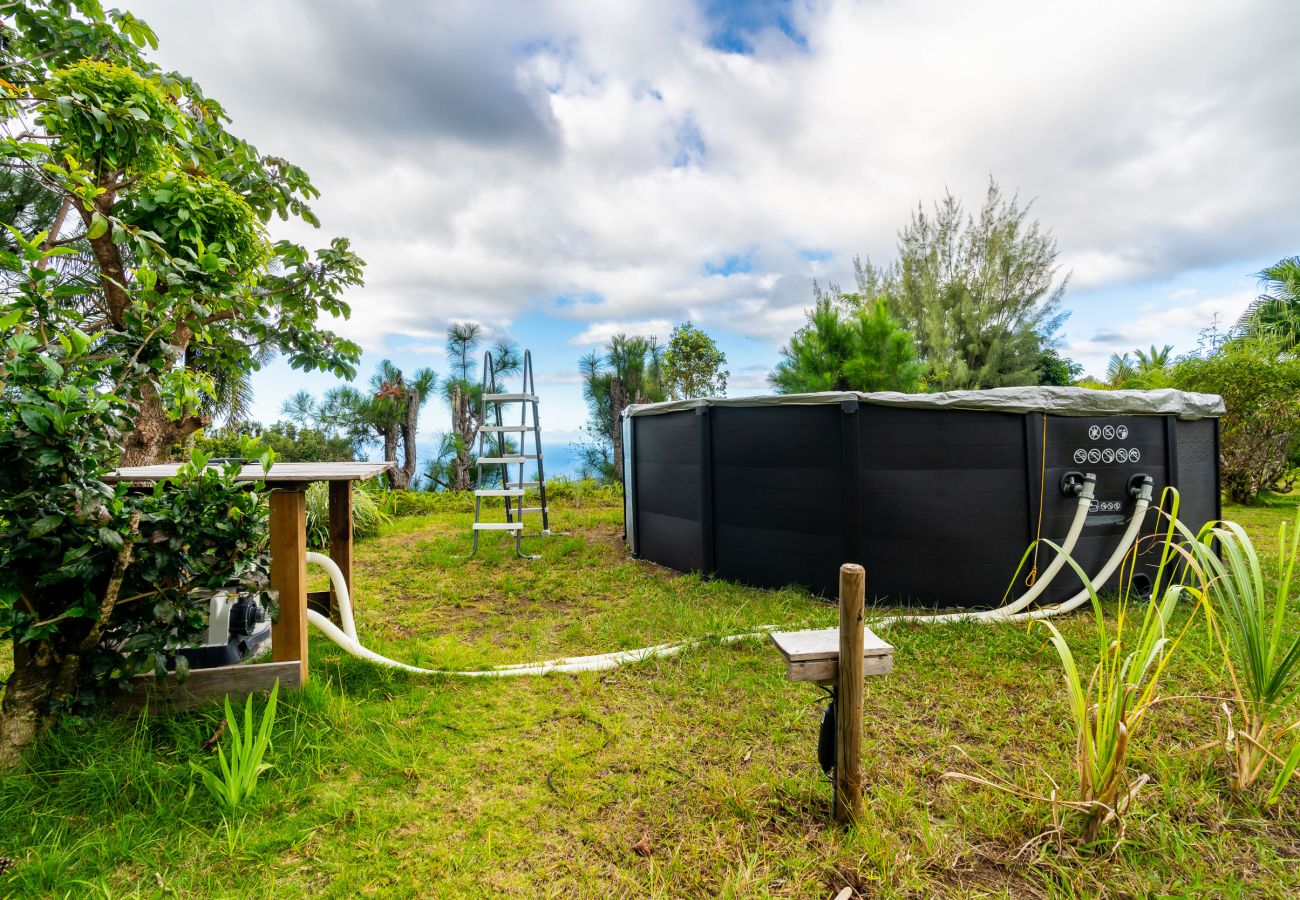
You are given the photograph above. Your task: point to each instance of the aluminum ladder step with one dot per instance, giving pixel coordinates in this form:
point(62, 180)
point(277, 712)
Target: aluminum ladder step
point(498, 526)
point(506, 429)
point(510, 398)
point(528, 509)
point(495, 492)
point(523, 484)
point(508, 460)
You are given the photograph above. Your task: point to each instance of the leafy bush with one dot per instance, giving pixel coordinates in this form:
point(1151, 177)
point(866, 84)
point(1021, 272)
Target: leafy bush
point(1261, 389)
point(367, 518)
point(97, 582)
point(289, 442)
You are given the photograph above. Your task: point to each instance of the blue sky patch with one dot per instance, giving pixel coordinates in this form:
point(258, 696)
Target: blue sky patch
point(690, 146)
point(735, 23)
point(735, 264)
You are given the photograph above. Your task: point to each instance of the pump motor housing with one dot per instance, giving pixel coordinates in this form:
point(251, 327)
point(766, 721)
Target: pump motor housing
point(237, 628)
point(936, 495)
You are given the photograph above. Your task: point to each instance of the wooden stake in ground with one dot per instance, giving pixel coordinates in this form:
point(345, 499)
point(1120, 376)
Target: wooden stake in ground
point(848, 702)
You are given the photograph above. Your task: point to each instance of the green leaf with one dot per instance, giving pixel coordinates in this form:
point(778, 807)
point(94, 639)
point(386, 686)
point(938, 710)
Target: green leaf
point(44, 526)
point(35, 419)
point(1288, 769)
point(98, 227)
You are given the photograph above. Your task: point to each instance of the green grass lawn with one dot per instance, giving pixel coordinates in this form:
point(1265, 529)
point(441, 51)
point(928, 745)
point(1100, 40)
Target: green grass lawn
point(395, 785)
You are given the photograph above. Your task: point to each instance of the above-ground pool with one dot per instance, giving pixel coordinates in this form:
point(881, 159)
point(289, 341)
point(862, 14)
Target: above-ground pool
point(937, 495)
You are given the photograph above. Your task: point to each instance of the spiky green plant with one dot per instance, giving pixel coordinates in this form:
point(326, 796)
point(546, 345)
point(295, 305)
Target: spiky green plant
point(1110, 705)
point(1247, 616)
point(240, 771)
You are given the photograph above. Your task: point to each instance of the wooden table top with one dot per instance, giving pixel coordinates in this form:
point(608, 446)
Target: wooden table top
point(824, 643)
point(280, 473)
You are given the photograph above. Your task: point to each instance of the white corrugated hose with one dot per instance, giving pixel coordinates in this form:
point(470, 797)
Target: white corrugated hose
point(346, 637)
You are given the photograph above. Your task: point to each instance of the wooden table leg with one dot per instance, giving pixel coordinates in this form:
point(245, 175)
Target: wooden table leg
point(289, 575)
point(341, 536)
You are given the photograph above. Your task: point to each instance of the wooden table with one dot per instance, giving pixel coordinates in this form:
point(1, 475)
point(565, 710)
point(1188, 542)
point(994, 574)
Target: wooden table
point(288, 485)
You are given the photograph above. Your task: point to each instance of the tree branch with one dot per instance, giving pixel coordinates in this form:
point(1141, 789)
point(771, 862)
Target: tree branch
point(66, 681)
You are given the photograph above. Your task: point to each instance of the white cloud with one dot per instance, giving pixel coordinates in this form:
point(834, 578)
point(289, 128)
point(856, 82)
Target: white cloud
point(489, 158)
point(598, 333)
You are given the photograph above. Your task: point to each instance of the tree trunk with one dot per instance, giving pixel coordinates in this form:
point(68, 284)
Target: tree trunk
point(395, 474)
point(410, 425)
point(27, 695)
point(155, 436)
point(618, 402)
point(462, 425)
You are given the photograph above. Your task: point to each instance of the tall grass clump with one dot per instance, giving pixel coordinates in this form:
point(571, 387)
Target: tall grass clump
point(1247, 617)
point(367, 518)
point(1113, 687)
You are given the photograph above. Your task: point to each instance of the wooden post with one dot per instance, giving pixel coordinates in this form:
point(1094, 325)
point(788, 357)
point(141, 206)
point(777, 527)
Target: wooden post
point(289, 574)
point(341, 535)
point(848, 702)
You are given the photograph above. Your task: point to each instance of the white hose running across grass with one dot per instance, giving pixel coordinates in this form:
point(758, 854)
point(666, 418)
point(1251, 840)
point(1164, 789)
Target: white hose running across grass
point(346, 637)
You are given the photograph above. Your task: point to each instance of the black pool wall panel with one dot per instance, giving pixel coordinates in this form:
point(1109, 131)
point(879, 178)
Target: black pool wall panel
point(777, 494)
point(667, 480)
point(944, 503)
point(939, 504)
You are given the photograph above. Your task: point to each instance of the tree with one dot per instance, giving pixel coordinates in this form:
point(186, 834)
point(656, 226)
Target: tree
point(1145, 370)
point(1057, 370)
point(464, 395)
point(849, 346)
point(693, 365)
point(170, 211)
point(401, 399)
point(979, 293)
point(1276, 312)
point(1261, 389)
point(631, 370)
point(290, 441)
point(388, 414)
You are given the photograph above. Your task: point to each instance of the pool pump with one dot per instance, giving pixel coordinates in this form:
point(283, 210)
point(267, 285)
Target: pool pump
point(237, 628)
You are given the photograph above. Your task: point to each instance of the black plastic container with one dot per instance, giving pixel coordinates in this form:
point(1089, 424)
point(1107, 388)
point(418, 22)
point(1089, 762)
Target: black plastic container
point(938, 503)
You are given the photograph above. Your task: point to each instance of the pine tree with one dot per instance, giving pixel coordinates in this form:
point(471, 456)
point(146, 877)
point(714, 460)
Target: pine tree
point(848, 345)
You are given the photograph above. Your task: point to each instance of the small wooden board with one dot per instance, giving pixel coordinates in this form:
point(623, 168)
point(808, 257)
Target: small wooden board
point(815, 655)
point(208, 684)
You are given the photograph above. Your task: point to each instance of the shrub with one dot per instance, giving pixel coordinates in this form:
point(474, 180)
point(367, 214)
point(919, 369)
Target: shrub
point(1261, 389)
point(97, 582)
point(1109, 702)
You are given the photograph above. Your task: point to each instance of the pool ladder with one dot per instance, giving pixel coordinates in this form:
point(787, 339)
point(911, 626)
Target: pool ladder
point(512, 491)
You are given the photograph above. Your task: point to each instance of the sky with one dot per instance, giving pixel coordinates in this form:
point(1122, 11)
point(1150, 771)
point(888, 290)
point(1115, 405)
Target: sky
point(562, 170)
